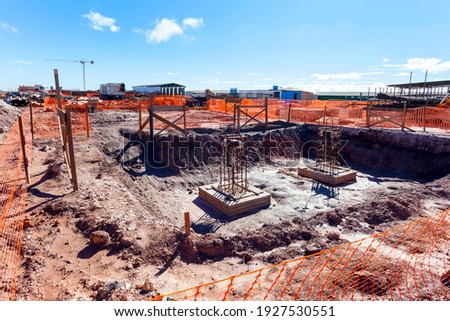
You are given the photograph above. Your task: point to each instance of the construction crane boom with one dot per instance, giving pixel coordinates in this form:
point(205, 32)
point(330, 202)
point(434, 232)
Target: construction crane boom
point(82, 61)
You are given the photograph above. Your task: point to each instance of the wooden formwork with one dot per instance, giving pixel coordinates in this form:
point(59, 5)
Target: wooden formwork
point(343, 176)
point(251, 200)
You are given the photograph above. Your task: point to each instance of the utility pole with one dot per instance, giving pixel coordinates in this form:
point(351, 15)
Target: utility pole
point(83, 62)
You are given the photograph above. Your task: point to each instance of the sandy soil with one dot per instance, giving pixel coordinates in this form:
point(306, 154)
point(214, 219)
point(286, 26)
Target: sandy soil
point(142, 212)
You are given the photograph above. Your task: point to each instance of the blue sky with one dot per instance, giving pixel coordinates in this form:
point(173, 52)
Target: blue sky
point(312, 45)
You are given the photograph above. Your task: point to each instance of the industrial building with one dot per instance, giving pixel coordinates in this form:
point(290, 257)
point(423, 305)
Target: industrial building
point(350, 95)
point(163, 89)
point(278, 93)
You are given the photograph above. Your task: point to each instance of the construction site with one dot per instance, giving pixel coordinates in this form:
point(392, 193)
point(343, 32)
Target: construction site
point(145, 197)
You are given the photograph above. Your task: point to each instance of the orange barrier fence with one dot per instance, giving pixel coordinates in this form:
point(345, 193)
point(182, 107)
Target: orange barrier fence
point(344, 113)
point(45, 119)
point(408, 262)
point(12, 205)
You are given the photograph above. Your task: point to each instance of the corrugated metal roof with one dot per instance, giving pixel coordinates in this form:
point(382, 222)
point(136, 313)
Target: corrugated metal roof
point(439, 83)
point(161, 85)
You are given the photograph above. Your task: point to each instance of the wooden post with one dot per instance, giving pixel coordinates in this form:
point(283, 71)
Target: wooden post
point(71, 151)
point(58, 89)
point(150, 119)
point(289, 113)
point(368, 115)
point(187, 223)
point(184, 120)
point(88, 123)
point(267, 111)
point(404, 116)
point(238, 118)
point(24, 152)
point(140, 119)
point(424, 118)
point(31, 122)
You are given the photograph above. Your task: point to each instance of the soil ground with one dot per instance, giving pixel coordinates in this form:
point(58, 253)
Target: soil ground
point(142, 211)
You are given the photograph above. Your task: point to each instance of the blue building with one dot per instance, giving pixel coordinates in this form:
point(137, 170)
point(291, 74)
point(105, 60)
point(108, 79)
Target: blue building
point(278, 93)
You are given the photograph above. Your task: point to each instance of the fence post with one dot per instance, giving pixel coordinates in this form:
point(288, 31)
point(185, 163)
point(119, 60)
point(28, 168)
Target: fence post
point(424, 118)
point(73, 168)
point(88, 123)
point(404, 116)
point(24, 152)
point(368, 115)
point(267, 111)
point(31, 121)
point(187, 223)
point(289, 113)
point(140, 119)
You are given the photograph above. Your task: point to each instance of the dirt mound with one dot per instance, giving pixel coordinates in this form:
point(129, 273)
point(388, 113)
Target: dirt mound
point(8, 116)
point(264, 239)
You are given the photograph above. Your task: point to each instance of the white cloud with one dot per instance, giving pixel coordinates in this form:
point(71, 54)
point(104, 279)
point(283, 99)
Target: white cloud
point(385, 60)
point(99, 21)
point(170, 73)
point(340, 87)
point(193, 22)
point(164, 30)
point(8, 27)
point(26, 62)
point(433, 65)
point(254, 74)
point(350, 75)
point(402, 74)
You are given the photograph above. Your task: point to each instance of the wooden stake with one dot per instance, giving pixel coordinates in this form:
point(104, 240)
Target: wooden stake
point(267, 111)
point(24, 152)
point(368, 115)
point(187, 223)
point(31, 122)
point(88, 123)
point(424, 118)
point(71, 151)
point(58, 89)
point(404, 116)
point(140, 120)
point(289, 113)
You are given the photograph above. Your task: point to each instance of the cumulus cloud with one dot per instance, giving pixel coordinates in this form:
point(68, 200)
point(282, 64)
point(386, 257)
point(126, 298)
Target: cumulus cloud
point(254, 74)
point(433, 65)
point(350, 75)
point(168, 28)
point(402, 74)
point(171, 73)
point(385, 60)
point(26, 62)
point(192, 22)
point(98, 21)
point(8, 27)
point(163, 31)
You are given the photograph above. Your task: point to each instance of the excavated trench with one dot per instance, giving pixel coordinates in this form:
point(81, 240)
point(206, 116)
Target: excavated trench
point(417, 157)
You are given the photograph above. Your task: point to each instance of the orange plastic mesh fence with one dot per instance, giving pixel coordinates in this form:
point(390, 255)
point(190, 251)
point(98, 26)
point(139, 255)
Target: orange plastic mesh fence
point(12, 205)
point(345, 113)
point(45, 119)
point(408, 262)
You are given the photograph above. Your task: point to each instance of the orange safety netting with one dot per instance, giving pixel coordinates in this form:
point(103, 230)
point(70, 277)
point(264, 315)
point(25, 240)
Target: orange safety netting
point(13, 188)
point(45, 119)
point(343, 113)
point(408, 262)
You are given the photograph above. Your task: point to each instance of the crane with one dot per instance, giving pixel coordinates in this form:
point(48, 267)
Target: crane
point(83, 62)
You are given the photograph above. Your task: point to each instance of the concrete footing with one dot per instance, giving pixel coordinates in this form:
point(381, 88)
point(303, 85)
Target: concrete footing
point(251, 200)
point(343, 176)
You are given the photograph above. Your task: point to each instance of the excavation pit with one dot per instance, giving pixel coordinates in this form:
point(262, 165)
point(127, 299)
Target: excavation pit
point(251, 200)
